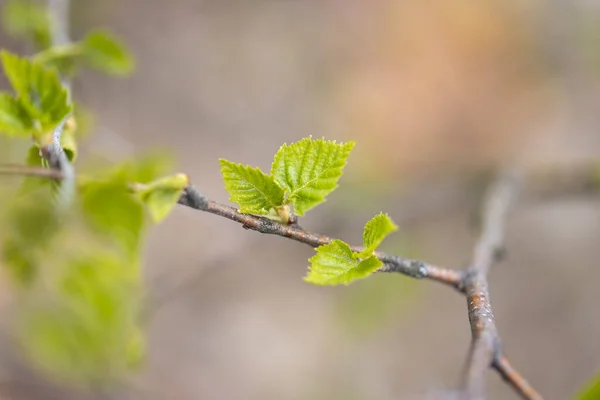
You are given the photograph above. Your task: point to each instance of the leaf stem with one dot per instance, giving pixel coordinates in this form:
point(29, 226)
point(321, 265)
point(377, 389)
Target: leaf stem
point(58, 52)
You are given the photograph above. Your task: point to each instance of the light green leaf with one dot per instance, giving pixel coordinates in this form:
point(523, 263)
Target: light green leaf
point(27, 19)
point(103, 51)
point(81, 324)
point(38, 89)
point(375, 231)
point(250, 188)
point(309, 170)
point(14, 119)
point(63, 58)
point(143, 169)
point(335, 264)
point(590, 391)
point(162, 195)
point(31, 223)
point(112, 211)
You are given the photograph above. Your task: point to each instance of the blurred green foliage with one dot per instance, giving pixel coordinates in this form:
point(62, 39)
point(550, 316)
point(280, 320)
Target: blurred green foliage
point(75, 273)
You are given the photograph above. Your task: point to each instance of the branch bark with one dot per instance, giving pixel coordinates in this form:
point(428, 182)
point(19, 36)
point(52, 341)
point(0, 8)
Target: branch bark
point(485, 348)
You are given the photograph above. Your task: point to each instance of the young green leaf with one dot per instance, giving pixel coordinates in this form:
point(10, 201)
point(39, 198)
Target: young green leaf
point(63, 58)
point(103, 51)
point(335, 264)
point(591, 390)
point(38, 89)
point(28, 20)
point(14, 119)
point(253, 190)
point(32, 222)
point(375, 231)
point(309, 170)
point(162, 195)
point(81, 325)
point(112, 211)
point(143, 169)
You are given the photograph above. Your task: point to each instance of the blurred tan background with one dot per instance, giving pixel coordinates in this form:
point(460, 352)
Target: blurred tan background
point(435, 93)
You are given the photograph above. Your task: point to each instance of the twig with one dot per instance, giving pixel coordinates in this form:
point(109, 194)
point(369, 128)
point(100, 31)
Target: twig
point(39, 172)
point(514, 379)
point(413, 268)
point(54, 153)
point(485, 348)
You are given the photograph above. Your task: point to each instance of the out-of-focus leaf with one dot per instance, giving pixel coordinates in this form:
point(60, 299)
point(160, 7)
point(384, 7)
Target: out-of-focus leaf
point(14, 118)
point(105, 52)
point(162, 195)
point(113, 211)
point(82, 327)
point(143, 169)
point(27, 19)
point(309, 170)
point(39, 90)
point(30, 226)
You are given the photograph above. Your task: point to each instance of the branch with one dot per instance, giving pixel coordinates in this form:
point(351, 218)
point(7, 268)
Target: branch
point(37, 172)
point(485, 348)
point(514, 379)
point(54, 153)
point(413, 268)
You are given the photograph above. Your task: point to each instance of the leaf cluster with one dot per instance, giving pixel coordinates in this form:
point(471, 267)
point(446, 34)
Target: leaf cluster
point(302, 175)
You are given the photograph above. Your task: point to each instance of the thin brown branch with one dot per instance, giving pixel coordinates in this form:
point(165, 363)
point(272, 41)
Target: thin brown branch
point(516, 380)
point(414, 268)
point(485, 348)
point(39, 172)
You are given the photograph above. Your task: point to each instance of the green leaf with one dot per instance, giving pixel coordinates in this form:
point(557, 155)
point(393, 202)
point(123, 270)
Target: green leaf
point(253, 190)
point(14, 118)
point(27, 19)
point(309, 170)
point(38, 88)
point(143, 169)
point(63, 58)
point(31, 225)
point(112, 211)
point(375, 231)
point(103, 51)
point(591, 390)
point(335, 264)
point(81, 324)
point(162, 195)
